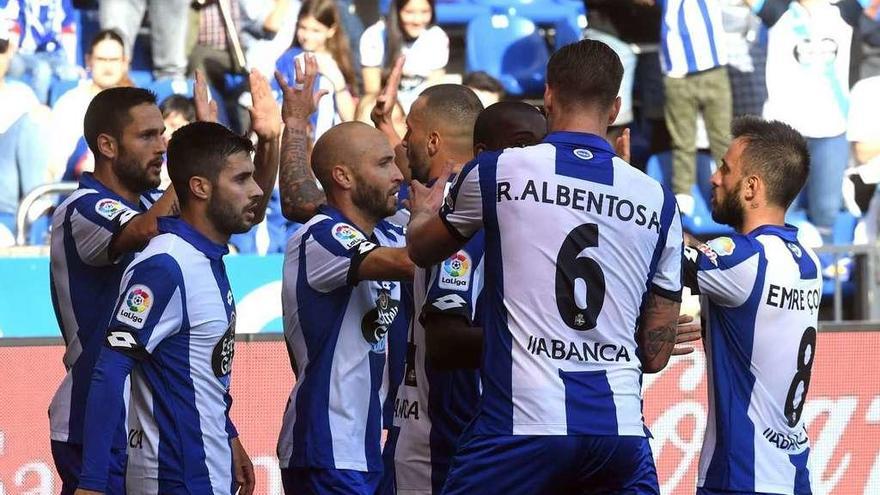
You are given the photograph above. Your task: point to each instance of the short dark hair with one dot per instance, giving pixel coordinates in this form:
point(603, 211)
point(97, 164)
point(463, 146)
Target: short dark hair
point(108, 113)
point(777, 153)
point(201, 149)
point(484, 82)
point(178, 104)
point(585, 73)
point(492, 128)
point(453, 104)
point(105, 34)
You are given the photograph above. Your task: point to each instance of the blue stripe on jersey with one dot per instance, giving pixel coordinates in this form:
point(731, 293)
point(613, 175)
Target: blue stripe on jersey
point(732, 396)
point(396, 350)
point(802, 471)
point(686, 43)
point(583, 156)
point(456, 184)
point(497, 360)
point(582, 388)
point(317, 441)
point(666, 59)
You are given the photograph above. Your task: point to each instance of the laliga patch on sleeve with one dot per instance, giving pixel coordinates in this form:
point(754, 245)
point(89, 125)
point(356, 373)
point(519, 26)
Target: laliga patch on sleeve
point(109, 208)
point(346, 235)
point(723, 246)
point(455, 272)
point(136, 306)
point(708, 252)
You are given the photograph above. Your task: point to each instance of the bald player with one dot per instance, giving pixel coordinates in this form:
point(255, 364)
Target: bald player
point(341, 296)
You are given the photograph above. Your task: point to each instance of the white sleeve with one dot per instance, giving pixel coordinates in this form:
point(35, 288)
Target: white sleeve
point(463, 210)
point(667, 278)
point(436, 48)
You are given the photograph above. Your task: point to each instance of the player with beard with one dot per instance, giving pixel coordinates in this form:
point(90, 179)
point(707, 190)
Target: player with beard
point(99, 227)
point(341, 296)
point(760, 291)
point(94, 234)
point(173, 330)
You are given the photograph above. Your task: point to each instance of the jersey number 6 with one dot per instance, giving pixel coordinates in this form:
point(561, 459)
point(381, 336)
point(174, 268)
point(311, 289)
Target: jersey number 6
point(580, 283)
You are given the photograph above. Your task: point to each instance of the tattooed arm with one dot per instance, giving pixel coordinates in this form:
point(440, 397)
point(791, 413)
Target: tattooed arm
point(300, 195)
point(657, 332)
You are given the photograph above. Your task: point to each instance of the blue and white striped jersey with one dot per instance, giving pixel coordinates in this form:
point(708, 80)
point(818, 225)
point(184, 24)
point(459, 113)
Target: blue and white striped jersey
point(173, 329)
point(433, 406)
point(85, 284)
point(760, 295)
point(575, 238)
point(335, 326)
point(691, 37)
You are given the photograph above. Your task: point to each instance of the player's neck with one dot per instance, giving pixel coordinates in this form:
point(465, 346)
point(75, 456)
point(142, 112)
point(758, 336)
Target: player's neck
point(361, 219)
point(457, 161)
point(104, 174)
point(762, 217)
point(198, 219)
point(583, 123)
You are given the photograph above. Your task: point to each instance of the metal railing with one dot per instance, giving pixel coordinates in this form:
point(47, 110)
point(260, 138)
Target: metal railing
point(867, 279)
point(22, 225)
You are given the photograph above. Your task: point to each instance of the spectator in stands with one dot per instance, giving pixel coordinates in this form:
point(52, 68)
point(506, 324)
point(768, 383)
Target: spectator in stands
point(319, 31)
point(22, 146)
point(267, 30)
point(410, 30)
point(177, 111)
point(694, 62)
point(869, 30)
point(808, 66)
point(488, 89)
point(746, 57)
point(211, 49)
point(108, 65)
point(47, 44)
point(863, 132)
point(168, 24)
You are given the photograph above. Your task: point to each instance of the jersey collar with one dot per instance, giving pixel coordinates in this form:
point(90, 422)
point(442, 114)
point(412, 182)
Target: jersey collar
point(786, 232)
point(579, 139)
point(88, 181)
point(176, 226)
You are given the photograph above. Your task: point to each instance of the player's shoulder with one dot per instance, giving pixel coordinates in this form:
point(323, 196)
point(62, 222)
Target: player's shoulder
point(730, 250)
point(390, 234)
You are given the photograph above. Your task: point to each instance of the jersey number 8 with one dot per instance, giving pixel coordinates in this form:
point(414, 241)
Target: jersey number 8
point(797, 391)
point(580, 282)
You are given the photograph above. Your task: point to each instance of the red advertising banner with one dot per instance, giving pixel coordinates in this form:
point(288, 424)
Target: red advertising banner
point(842, 413)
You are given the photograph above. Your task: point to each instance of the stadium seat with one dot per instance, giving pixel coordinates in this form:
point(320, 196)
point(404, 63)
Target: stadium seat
point(510, 49)
point(700, 224)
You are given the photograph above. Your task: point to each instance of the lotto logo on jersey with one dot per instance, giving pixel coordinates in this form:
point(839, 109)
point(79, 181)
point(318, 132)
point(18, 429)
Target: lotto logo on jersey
point(136, 306)
point(108, 208)
point(723, 246)
point(455, 272)
point(795, 249)
point(346, 235)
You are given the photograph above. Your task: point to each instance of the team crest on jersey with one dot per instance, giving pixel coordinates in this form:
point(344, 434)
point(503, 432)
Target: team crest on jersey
point(723, 246)
point(455, 272)
point(108, 208)
point(136, 306)
point(583, 154)
point(224, 351)
point(376, 322)
point(795, 249)
point(346, 235)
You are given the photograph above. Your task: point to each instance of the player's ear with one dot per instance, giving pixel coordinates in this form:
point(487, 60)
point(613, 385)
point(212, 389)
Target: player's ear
point(200, 187)
point(107, 145)
point(548, 99)
point(342, 176)
point(615, 110)
point(752, 185)
point(433, 143)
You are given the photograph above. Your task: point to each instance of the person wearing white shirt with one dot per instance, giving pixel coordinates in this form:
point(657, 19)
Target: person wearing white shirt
point(410, 30)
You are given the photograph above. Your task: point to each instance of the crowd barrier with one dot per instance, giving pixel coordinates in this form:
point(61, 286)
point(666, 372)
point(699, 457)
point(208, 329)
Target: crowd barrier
point(842, 413)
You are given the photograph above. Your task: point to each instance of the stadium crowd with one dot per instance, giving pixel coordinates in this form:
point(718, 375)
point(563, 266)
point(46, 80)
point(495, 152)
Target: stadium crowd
point(429, 357)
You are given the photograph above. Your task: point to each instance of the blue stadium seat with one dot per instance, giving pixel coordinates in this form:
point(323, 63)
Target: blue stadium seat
point(455, 11)
point(700, 224)
point(510, 49)
point(58, 88)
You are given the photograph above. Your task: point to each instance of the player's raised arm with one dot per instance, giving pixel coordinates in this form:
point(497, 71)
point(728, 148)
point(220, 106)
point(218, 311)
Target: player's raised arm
point(266, 123)
point(300, 195)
